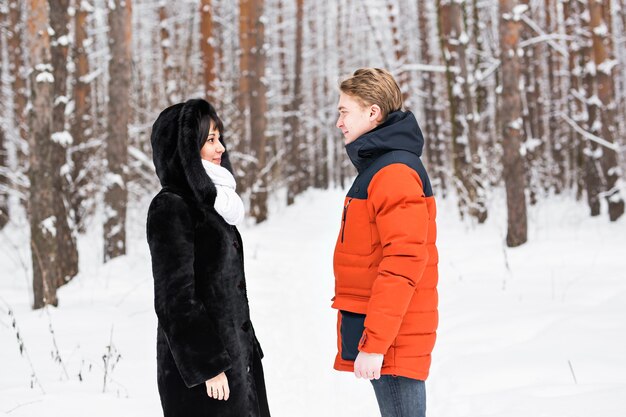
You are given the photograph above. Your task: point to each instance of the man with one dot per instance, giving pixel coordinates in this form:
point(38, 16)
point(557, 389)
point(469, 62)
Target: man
point(385, 259)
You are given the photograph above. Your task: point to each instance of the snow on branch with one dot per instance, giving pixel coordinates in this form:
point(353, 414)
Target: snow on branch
point(426, 68)
point(545, 38)
point(590, 136)
point(531, 23)
point(140, 157)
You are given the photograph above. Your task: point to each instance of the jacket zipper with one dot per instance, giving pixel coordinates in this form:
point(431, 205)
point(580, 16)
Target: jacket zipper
point(343, 220)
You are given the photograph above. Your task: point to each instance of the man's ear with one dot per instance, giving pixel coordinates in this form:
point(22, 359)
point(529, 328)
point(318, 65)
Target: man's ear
point(375, 113)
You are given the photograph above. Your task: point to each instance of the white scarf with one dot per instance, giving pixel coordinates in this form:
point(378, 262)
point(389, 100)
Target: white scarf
point(227, 202)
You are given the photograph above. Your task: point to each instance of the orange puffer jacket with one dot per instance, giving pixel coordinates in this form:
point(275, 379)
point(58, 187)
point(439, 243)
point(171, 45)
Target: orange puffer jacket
point(385, 259)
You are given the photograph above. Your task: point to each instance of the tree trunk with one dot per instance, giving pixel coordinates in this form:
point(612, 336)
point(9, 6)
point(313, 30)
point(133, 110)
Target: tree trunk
point(4, 168)
point(82, 181)
point(399, 50)
point(18, 72)
point(464, 143)
point(339, 152)
point(61, 138)
point(293, 136)
point(252, 80)
point(435, 145)
point(42, 209)
point(605, 63)
point(4, 182)
point(575, 108)
point(167, 60)
point(511, 114)
point(531, 105)
point(244, 92)
point(326, 96)
point(116, 193)
point(592, 152)
point(555, 133)
point(207, 46)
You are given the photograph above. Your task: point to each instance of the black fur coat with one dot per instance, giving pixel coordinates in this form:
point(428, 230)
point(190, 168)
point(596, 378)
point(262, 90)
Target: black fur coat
point(200, 295)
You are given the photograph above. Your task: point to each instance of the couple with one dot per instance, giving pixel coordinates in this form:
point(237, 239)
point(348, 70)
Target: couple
point(385, 261)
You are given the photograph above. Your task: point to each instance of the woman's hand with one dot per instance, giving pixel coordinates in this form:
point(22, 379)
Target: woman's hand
point(367, 365)
point(217, 387)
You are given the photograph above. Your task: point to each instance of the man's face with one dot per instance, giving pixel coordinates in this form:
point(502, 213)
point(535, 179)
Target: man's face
point(354, 119)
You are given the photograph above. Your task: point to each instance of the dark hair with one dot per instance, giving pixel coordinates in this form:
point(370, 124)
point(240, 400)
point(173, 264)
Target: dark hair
point(207, 114)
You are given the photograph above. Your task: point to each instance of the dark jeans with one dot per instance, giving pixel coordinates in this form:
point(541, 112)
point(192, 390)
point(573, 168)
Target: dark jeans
point(400, 397)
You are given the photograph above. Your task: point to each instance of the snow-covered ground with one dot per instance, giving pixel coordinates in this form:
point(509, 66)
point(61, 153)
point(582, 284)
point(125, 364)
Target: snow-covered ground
point(534, 331)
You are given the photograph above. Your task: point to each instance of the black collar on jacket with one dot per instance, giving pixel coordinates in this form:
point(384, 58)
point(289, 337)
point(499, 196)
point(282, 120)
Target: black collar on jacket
point(399, 132)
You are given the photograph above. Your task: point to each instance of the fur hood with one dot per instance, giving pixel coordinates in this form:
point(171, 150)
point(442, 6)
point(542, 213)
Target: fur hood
point(176, 145)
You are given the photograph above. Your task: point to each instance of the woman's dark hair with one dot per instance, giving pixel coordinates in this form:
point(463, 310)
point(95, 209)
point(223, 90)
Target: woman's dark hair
point(208, 114)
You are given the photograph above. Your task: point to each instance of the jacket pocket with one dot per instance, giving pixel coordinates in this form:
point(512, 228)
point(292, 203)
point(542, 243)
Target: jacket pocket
point(355, 234)
point(352, 327)
point(344, 218)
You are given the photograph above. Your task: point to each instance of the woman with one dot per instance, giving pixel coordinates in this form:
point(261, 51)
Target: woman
point(208, 357)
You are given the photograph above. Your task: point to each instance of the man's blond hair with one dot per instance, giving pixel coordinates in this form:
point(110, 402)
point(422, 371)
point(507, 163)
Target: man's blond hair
point(374, 86)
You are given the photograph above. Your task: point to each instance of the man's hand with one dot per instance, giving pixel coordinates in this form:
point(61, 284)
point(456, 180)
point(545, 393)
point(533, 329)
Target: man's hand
point(367, 365)
point(217, 387)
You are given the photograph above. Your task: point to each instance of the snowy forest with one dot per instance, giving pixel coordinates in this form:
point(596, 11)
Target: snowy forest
point(521, 103)
point(528, 95)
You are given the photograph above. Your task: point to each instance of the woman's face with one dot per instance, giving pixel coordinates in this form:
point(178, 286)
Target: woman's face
point(212, 149)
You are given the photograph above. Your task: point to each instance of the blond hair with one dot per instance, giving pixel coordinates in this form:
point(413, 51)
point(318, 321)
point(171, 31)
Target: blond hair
point(374, 86)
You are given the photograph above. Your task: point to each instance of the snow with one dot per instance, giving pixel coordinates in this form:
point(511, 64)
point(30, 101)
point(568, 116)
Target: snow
point(45, 73)
point(49, 225)
point(64, 40)
point(457, 90)
point(532, 143)
point(519, 10)
point(463, 38)
point(607, 66)
point(44, 77)
point(601, 30)
point(590, 68)
point(534, 331)
point(516, 124)
point(86, 6)
point(62, 138)
point(61, 99)
point(111, 179)
point(88, 78)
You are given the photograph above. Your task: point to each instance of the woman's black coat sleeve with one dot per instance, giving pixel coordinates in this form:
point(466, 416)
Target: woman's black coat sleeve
point(195, 345)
